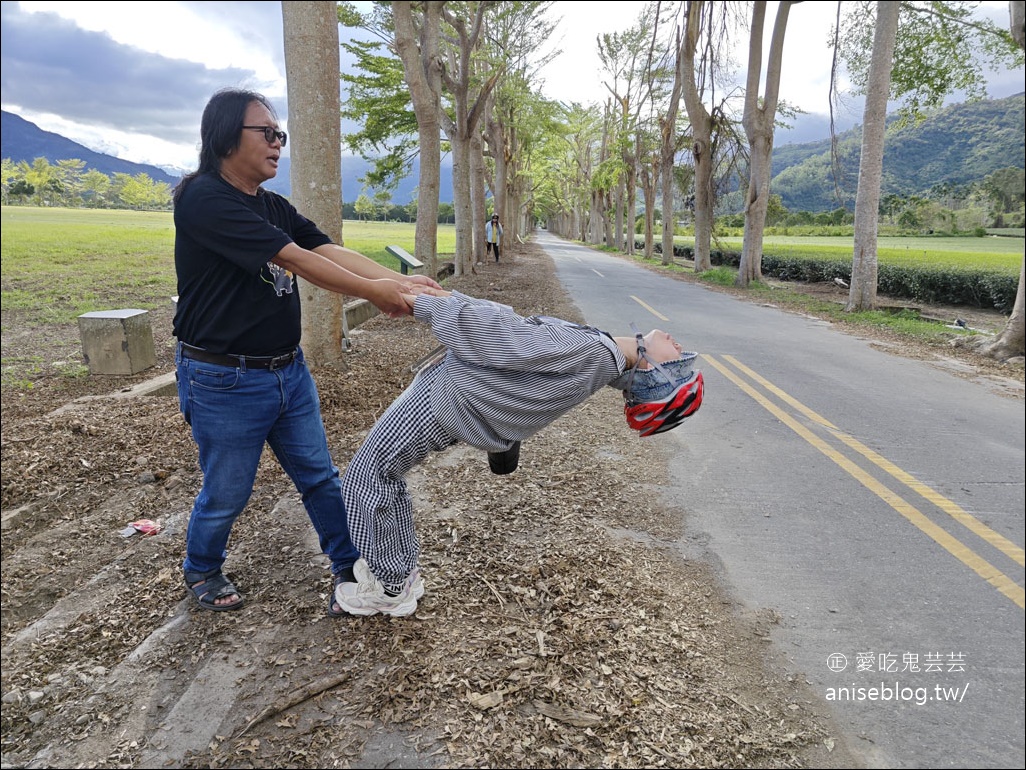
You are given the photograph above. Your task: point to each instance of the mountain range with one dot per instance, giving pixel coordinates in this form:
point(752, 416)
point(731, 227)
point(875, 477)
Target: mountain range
point(954, 146)
point(22, 140)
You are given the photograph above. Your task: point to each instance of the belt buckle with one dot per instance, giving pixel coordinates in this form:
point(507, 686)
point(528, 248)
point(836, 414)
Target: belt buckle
point(280, 362)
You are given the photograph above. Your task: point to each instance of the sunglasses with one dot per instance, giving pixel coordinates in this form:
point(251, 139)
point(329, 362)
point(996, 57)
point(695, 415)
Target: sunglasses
point(270, 134)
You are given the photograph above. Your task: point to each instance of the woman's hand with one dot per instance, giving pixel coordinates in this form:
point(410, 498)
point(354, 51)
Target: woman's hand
point(414, 291)
point(434, 291)
point(423, 280)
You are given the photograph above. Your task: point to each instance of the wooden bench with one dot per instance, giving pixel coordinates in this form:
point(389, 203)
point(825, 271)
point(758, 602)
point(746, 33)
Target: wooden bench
point(407, 261)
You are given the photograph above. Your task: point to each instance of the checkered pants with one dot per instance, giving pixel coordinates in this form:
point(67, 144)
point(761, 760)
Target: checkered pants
point(374, 485)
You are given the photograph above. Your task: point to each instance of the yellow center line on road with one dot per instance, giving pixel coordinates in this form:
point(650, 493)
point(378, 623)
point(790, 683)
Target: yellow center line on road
point(977, 527)
point(650, 309)
point(952, 545)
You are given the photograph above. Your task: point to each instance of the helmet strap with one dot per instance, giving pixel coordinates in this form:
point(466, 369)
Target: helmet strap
point(637, 360)
point(643, 355)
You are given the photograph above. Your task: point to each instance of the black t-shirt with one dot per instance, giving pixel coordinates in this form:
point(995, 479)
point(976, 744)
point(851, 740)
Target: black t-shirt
point(231, 298)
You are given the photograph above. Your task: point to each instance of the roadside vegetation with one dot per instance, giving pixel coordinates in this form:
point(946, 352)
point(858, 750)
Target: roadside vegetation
point(59, 263)
point(970, 271)
point(665, 146)
point(905, 322)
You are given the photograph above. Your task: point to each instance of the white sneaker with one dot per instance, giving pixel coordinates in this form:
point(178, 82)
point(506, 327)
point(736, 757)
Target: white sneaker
point(367, 596)
point(416, 583)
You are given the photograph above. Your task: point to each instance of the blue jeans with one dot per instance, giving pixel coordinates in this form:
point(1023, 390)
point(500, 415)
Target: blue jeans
point(233, 412)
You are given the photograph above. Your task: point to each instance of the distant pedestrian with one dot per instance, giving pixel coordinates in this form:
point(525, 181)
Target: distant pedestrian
point(493, 236)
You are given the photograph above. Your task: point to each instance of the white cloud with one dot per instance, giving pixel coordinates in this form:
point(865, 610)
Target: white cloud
point(191, 31)
point(132, 78)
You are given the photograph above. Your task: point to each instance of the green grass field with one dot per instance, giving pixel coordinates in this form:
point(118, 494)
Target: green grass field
point(991, 253)
point(60, 263)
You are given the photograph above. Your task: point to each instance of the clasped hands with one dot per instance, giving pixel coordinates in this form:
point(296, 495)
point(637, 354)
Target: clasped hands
point(410, 292)
point(408, 288)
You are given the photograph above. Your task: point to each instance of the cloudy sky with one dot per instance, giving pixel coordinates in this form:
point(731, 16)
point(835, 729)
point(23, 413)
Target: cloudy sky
point(131, 79)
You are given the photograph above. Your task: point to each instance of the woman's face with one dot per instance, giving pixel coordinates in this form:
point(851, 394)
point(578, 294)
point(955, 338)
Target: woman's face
point(661, 346)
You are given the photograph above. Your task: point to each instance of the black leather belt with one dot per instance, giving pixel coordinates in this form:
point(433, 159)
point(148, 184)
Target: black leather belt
point(241, 362)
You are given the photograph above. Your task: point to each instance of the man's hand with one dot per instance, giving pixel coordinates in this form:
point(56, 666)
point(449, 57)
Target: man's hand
point(390, 297)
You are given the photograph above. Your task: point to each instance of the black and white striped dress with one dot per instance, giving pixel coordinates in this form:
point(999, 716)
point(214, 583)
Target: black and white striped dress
point(504, 377)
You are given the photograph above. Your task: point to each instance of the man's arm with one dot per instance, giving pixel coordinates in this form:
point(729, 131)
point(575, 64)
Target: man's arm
point(381, 286)
point(357, 263)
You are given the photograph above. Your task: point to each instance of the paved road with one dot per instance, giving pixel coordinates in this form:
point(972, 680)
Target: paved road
point(873, 502)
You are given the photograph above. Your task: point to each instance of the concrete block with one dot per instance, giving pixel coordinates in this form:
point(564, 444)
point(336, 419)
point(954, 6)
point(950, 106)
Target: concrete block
point(359, 311)
point(117, 341)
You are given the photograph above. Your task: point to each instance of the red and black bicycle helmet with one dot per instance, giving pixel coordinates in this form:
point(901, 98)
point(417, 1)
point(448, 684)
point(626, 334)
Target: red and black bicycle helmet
point(659, 399)
point(652, 417)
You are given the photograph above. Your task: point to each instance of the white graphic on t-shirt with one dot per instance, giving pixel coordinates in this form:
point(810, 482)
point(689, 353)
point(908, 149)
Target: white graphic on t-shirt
point(280, 278)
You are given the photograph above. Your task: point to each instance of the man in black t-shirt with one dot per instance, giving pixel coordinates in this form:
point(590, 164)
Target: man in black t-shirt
point(242, 379)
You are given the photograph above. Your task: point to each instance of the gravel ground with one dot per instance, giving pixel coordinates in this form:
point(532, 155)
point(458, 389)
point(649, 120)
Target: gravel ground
point(561, 626)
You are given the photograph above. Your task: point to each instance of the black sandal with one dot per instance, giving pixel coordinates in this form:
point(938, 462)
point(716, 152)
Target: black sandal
point(212, 587)
point(332, 612)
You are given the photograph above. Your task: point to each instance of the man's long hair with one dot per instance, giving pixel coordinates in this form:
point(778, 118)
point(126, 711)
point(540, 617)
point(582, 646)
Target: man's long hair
point(221, 130)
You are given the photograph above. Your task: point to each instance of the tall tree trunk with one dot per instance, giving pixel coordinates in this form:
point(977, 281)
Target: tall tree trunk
point(630, 195)
point(620, 237)
point(607, 220)
point(701, 149)
point(478, 195)
point(862, 292)
point(315, 130)
point(601, 209)
point(1011, 342)
point(668, 215)
point(422, 65)
point(701, 137)
point(668, 152)
point(509, 184)
point(649, 181)
point(758, 122)
point(461, 201)
point(595, 219)
point(462, 125)
point(501, 150)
